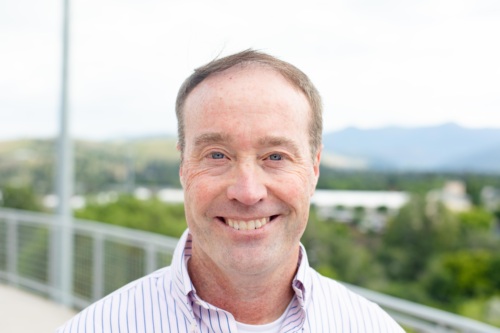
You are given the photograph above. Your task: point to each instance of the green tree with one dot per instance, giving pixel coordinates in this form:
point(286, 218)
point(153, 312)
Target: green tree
point(457, 276)
point(476, 219)
point(149, 215)
point(414, 235)
point(20, 198)
point(340, 251)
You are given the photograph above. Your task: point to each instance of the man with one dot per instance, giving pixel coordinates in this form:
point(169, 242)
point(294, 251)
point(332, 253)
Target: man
point(250, 143)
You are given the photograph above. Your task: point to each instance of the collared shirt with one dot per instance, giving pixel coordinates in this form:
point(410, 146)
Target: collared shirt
point(166, 301)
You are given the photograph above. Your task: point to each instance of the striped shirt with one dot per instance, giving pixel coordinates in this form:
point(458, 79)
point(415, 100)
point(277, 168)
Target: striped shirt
point(166, 301)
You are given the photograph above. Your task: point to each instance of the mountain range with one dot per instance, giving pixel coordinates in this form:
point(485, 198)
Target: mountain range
point(447, 147)
point(442, 148)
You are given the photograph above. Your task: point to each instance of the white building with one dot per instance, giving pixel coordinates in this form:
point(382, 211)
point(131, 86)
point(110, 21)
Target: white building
point(369, 209)
point(453, 196)
point(171, 195)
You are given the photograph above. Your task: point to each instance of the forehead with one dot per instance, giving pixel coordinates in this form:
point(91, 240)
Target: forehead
point(254, 84)
point(244, 106)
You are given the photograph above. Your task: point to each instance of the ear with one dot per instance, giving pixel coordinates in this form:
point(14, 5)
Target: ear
point(181, 178)
point(316, 162)
point(181, 165)
point(178, 147)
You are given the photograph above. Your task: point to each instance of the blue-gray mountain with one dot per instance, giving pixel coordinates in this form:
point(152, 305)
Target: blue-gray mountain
point(447, 147)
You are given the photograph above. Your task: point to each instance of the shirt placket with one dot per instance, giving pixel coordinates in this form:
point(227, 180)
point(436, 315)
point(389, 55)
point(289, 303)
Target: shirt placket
point(225, 322)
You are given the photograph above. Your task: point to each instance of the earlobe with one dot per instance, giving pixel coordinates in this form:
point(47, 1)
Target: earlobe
point(181, 178)
point(317, 161)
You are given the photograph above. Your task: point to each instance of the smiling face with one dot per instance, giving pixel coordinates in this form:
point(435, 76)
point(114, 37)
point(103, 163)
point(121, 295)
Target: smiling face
point(247, 170)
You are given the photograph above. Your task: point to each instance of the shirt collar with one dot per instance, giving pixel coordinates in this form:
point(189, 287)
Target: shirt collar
point(301, 284)
point(182, 254)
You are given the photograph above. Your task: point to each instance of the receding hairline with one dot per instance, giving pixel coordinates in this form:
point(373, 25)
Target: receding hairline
point(241, 68)
point(245, 66)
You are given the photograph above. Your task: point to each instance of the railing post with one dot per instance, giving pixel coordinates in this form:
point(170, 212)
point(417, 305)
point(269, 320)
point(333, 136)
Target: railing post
point(12, 249)
point(62, 259)
point(150, 259)
point(98, 266)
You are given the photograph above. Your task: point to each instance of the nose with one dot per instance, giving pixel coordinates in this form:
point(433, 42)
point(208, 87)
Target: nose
point(247, 186)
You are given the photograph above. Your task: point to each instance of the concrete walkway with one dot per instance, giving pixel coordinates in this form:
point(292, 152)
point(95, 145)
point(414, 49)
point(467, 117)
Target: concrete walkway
point(22, 312)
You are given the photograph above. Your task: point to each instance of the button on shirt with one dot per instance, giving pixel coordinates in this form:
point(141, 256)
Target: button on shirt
point(166, 301)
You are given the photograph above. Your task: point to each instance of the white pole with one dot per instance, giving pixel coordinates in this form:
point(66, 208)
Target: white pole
point(64, 272)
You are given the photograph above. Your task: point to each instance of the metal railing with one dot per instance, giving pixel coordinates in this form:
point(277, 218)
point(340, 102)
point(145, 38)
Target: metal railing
point(106, 257)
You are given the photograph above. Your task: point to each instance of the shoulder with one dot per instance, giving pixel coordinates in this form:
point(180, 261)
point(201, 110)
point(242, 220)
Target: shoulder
point(349, 308)
point(159, 279)
point(122, 307)
point(336, 290)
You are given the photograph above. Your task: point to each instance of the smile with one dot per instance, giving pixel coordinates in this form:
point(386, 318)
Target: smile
point(247, 225)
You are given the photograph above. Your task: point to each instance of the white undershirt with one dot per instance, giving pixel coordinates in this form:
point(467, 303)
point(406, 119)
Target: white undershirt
point(273, 327)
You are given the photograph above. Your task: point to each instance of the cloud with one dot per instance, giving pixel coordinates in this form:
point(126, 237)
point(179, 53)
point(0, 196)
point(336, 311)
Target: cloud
point(375, 63)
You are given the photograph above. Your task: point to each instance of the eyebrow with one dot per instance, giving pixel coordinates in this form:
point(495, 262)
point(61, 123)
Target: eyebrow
point(279, 141)
point(210, 138)
point(268, 141)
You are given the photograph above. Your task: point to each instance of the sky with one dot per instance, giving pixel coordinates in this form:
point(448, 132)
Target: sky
point(375, 63)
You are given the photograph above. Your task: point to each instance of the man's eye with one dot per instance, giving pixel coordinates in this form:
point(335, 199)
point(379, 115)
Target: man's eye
point(217, 156)
point(275, 157)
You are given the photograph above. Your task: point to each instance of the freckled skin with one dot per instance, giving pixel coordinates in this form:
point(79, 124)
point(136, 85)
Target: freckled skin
point(247, 156)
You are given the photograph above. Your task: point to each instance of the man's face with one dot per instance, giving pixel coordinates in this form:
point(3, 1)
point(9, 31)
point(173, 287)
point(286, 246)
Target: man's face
point(247, 170)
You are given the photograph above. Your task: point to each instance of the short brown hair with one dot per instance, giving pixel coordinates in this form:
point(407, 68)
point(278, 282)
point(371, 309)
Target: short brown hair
point(290, 72)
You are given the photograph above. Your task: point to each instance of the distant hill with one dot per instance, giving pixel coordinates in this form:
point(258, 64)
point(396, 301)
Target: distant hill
point(99, 165)
point(447, 147)
point(122, 164)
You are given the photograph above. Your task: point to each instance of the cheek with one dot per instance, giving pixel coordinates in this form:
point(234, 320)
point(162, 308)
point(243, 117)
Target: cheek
point(301, 182)
point(200, 190)
point(295, 192)
point(300, 192)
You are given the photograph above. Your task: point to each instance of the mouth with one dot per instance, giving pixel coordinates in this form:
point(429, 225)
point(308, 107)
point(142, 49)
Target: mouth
point(247, 224)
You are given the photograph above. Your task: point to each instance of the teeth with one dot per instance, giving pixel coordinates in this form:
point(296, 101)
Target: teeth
point(251, 225)
point(247, 225)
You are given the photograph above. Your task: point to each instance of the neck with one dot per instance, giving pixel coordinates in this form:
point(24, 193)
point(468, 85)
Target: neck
point(251, 299)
